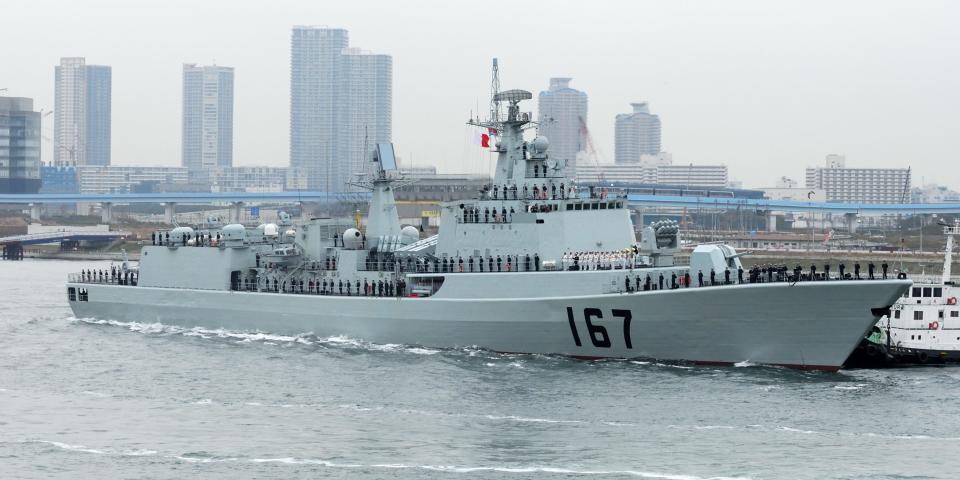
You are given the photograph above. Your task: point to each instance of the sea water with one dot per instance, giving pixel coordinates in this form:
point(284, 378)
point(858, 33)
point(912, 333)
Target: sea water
point(85, 398)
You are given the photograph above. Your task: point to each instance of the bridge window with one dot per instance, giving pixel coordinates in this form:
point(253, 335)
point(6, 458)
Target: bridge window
point(569, 206)
point(896, 314)
point(603, 206)
point(937, 292)
point(927, 291)
point(915, 292)
point(918, 314)
point(72, 294)
point(954, 314)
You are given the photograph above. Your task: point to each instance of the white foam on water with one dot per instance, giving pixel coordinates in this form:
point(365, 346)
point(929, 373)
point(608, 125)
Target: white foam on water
point(620, 424)
point(796, 430)
point(906, 436)
point(203, 459)
point(497, 469)
point(682, 367)
point(96, 394)
point(295, 461)
point(73, 448)
point(515, 418)
point(850, 387)
point(138, 453)
point(202, 401)
point(198, 458)
point(714, 427)
point(422, 351)
point(745, 363)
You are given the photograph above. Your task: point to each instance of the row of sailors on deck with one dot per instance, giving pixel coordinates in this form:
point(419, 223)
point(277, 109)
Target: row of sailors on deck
point(474, 215)
point(599, 260)
point(369, 288)
point(539, 192)
point(490, 263)
point(198, 239)
point(115, 275)
point(677, 281)
point(760, 272)
point(757, 274)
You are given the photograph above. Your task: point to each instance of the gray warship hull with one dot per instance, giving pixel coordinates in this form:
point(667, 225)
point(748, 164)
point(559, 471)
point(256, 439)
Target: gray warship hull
point(713, 325)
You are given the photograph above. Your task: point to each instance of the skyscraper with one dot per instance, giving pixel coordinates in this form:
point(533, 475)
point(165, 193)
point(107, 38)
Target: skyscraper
point(637, 134)
point(83, 113)
point(563, 120)
point(19, 146)
point(364, 111)
point(338, 97)
point(207, 117)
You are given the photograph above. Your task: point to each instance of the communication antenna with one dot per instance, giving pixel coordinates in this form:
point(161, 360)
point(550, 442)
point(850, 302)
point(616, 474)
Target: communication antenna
point(494, 90)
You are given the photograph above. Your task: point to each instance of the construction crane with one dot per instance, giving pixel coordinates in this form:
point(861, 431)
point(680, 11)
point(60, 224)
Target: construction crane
point(906, 187)
point(589, 149)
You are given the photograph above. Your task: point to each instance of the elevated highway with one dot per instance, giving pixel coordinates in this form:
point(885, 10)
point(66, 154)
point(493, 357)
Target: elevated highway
point(237, 199)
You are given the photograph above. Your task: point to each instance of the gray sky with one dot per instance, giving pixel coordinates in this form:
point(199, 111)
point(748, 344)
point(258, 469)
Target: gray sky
point(766, 88)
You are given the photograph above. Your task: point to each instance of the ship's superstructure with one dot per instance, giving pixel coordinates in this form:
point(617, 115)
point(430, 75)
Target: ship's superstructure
point(533, 264)
point(923, 327)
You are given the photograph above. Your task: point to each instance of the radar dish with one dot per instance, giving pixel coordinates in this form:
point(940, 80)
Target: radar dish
point(512, 96)
point(386, 156)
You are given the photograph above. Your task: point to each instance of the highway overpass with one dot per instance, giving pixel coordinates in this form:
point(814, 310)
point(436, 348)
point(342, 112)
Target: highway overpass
point(237, 199)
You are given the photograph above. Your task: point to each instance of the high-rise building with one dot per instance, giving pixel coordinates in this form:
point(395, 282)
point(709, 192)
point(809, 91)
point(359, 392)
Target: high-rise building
point(637, 134)
point(19, 146)
point(340, 100)
point(860, 185)
point(207, 117)
point(99, 105)
point(82, 123)
point(563, 119)
point(127, 179)
point(656, 170)
point(364, 112)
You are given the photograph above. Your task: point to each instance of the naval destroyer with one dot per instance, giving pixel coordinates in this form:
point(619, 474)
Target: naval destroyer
point(532, 264)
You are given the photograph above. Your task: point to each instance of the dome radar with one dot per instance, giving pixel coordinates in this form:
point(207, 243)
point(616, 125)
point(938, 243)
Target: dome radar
point(409, 234)
point(540, 145)
point(352, 239)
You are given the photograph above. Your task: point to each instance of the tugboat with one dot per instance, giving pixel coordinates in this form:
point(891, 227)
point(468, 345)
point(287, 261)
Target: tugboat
point(924, 328)
point(532, 264)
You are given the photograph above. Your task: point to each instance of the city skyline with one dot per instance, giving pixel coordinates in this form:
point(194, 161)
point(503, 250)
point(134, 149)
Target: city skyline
point(813, 86)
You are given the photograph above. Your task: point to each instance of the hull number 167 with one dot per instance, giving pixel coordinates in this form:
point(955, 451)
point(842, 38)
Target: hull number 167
point(598, 334)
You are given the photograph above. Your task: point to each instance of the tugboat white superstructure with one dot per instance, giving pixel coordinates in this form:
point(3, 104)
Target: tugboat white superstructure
point(532, 265)
point(924, 325)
